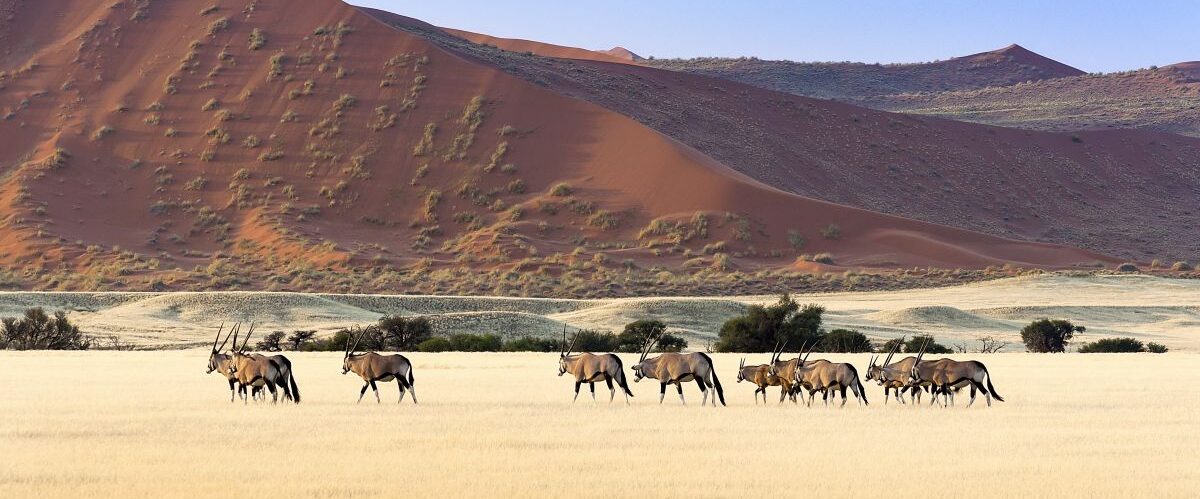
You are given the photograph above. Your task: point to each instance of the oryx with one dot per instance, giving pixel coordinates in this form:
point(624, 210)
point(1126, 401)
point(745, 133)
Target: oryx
point(677, 368)
point(257, 371)
point(894, 377)
point(222, 363)
point(946, 374)
point(784, 371)
point(589, 368)
point(373, 367)
point(758, 375)
point(829, 376)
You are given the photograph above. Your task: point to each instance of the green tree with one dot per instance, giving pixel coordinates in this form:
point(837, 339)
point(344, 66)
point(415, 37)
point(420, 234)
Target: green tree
point(761, 328)
point(1113, 345)
point(914, 344)
point(845, 341)
point(272, 342)
point(1049, 336)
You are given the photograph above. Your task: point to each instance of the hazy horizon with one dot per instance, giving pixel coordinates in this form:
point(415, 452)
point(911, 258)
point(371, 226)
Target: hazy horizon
point(1091, 36)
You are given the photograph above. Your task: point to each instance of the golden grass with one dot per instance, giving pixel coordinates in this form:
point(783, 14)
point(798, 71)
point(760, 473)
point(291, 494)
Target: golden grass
point(151, 424)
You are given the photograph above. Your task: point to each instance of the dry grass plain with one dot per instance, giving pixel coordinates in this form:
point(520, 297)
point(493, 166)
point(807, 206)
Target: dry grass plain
point(152, 424)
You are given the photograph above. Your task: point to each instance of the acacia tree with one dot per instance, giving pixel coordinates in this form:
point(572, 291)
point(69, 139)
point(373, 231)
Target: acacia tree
point(1049, 336)
point(761, 328)
point(633, 338)
point(37, 330)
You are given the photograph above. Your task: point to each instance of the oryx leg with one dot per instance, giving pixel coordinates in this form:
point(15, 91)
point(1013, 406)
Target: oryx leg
point(375, 388)
point(363, 391)
point(232, 391)
point(703, 390)
point(400, 383)
point(612, 392)
point(785, 389)
point(662, 392)
point(592, 387)
point(679, 386)
point(577, 383)
point(885, 395)
point(274, 394)
point(843, 396)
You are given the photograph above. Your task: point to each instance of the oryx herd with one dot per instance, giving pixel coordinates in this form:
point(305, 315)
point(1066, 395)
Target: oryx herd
point(259, 371)
point(944, 377)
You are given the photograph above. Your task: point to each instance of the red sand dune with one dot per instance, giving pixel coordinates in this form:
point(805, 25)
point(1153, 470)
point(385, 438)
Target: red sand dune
point(1118, 192)
point(282, 137)
point(616, 54)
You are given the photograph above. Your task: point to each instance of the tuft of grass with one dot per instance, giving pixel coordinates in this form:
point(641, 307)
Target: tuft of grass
point(102, 132)
point(218, 25)
point(562, 190)
point(831, 231)
point(257, 39)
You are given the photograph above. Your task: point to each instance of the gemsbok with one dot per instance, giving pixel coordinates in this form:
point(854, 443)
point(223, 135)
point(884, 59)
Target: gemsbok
point(829, 376)
point(678, 368)
point(785, 371)
point(372, 367)
point(759, 376)
point(894, 377)
point(947, 374)
point(221, 362)
point(589, 368)
point(256, 371)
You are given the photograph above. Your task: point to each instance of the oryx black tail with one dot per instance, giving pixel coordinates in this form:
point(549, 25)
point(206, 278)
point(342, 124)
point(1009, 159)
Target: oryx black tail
point(716, 381)
point(621, 376)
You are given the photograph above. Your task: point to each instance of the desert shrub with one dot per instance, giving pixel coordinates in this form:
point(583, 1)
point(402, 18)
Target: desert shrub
point(462, 343)
point(1113, 345)
point(1153, 347)
point(532, 344)
point(1049, 336)
point(914, 344)
point(102, 132)
point(218, 26)
point(272, 342)
point(257, 39)
point(561, 190)
point(796, 239)
point(845, 341)
point(823, 258)
point(762, 327)
point(438, 344)
point(831, 231)
point(1127, 267)
point(36, 330)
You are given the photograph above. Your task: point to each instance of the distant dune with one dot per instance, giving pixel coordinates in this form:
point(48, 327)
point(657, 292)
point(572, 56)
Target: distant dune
point(1166, 311)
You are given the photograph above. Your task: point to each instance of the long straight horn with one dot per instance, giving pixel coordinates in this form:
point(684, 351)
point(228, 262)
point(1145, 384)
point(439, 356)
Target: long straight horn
point(810, 351)
point(218, 338)
point(562, 347)
point(574, 340)
point(357, 340)
point(892, 352)
point(236, 329)
point(246, 341)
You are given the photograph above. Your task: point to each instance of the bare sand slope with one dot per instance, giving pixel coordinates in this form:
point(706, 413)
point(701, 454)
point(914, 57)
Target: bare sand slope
point(152, 424)
point(1149, 308)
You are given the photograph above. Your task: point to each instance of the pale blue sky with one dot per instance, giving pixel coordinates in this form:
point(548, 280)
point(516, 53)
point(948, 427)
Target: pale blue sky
point(1097, 35)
